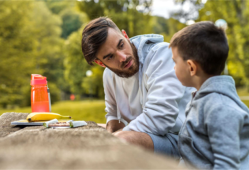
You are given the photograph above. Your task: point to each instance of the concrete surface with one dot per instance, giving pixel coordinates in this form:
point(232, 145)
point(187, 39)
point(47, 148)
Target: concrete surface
point(88, 147)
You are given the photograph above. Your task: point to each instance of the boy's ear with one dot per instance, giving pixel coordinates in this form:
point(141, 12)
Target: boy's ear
point(192, 67)
point(125, 35)
point(97, 61)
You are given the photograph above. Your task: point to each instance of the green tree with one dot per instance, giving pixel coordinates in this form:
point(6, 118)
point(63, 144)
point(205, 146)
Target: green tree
point(16, 48)
point(29, 43)
point(58, 6)
point(123, 12)
point(75, 66)
point(166, 27)
point(72, 21)
point(93, 85)
point(48, 47)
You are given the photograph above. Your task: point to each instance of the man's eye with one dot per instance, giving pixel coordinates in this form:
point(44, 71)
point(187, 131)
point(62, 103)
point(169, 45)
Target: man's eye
point(110, 57)
point(121, 45)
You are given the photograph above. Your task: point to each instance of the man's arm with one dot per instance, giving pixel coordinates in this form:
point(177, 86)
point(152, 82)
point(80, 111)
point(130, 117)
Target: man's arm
point(164, 91)
point(114, 125)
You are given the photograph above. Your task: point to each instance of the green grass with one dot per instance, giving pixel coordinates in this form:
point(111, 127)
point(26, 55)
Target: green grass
point(246, 102)
point(243, 91)
point(88, 110)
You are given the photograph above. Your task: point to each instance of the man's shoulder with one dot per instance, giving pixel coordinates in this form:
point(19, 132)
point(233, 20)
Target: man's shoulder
point(160, 46)
point(159, 52)
point(153, 47)
point(107, 74)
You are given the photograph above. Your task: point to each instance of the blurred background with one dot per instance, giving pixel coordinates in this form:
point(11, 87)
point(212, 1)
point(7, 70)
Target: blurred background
point(44, 37)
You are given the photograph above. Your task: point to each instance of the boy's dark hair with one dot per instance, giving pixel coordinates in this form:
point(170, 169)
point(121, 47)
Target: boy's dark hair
point(204, 43)
point(94, 35)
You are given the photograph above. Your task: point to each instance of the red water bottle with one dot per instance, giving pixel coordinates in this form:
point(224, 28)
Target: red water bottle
point(39, 94)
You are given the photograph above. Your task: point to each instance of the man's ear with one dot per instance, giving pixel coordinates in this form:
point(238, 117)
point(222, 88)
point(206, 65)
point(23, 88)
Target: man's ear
point(125, 35)
point(192, 67)
point(97, 61)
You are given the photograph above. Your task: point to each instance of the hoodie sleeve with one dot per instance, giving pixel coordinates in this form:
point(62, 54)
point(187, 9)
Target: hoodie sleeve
point(223, 125)
point(110, 102)
point(164, 92)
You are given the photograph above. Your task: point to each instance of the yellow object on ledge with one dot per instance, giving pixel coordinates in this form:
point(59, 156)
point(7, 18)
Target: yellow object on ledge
point(45, 116)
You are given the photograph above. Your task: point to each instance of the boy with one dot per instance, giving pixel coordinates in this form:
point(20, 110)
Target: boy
point(215, 134)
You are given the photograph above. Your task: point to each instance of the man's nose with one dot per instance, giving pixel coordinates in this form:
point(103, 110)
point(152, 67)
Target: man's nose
point(121, 56)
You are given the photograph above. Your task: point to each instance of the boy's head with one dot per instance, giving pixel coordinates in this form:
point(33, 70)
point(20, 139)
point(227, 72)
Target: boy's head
point(200, 47)
point(104, 44)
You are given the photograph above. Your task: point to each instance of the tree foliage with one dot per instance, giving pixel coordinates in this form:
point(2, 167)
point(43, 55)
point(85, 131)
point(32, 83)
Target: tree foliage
point(16, 48)
point(123, 12)
point(44, 37)
point(27, 33)
point(75, 66)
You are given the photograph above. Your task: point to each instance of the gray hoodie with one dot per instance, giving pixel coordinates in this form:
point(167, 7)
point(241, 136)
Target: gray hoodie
point(215, 134)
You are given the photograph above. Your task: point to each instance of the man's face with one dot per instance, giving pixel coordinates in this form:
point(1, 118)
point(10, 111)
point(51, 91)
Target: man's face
point(118, 54)
point(181, 68)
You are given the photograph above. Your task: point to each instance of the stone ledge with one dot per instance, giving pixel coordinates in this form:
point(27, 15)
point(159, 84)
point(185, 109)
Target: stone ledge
point(85, 147)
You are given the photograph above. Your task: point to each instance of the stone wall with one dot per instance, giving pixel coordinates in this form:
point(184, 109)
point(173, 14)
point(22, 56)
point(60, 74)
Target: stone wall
point(88, 147)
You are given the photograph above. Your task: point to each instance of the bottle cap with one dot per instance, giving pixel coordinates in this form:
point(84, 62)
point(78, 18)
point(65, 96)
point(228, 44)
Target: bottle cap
point(37, 79)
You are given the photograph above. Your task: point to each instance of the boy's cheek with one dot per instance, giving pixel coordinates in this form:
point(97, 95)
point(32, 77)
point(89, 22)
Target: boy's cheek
point(177, 74)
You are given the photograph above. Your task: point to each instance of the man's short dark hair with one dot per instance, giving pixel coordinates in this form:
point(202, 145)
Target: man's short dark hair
point(204, 43)
point(94, 35)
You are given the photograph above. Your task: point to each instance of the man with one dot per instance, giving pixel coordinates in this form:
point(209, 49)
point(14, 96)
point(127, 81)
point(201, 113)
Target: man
point(145, 101)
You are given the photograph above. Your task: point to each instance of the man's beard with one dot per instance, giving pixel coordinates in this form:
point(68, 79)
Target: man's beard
point(132, 70)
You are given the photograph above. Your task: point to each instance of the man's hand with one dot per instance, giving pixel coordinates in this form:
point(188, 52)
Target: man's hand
point(117, 132)
point(114, 125)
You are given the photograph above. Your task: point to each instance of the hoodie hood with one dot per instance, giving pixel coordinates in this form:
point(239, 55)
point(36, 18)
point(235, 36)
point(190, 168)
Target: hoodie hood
point(142, 43)
point(224, 85)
